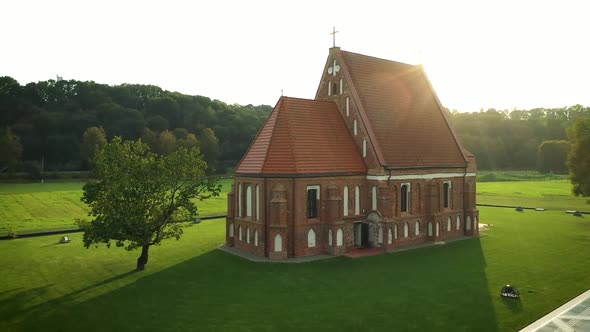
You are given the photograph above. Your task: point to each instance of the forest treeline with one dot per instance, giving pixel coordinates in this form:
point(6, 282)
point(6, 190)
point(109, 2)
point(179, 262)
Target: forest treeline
point(47, 121)
point(59, 122)
point(518, 139)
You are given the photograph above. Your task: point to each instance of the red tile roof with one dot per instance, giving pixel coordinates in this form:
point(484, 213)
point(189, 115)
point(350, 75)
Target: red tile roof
point(303, 136)
point(401, 112)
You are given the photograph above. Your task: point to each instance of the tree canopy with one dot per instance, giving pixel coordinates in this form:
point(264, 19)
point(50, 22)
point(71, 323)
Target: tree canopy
point(579, 157)
point(50, 118)
point(141, 198)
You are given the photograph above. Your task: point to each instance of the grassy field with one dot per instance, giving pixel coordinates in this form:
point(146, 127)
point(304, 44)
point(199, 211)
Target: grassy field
point(555, 195)
point(503, 176)
point(188, 285)
point(32, 207)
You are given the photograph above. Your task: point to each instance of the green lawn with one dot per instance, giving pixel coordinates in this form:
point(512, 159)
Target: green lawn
point(188, 285)
point(555, 195)
point(31, 207)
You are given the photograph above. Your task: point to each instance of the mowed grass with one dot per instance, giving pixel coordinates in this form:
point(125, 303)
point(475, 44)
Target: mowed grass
point(33, 207)
point(555, 195)
point(188, 285)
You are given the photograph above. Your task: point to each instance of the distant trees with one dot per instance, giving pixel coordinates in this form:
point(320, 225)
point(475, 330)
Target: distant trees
point(579, 157)
point(10, 149)
point(140, 198)
point(51, 117)
point(511, 139)
point(93, 139)
point(552, 156)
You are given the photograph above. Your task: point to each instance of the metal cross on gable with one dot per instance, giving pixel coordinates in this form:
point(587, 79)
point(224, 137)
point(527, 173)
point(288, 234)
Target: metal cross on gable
point(333, 33)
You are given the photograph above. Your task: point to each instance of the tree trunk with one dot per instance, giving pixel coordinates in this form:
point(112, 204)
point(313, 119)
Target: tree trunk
point(143, 259)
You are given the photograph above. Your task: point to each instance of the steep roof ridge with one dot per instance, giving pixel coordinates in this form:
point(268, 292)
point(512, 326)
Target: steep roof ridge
point(447, 121)
point(256, 138)
point(361, 108)
point(289, 134)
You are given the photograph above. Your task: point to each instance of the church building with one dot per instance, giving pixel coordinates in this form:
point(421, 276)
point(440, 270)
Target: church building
point(371, 162)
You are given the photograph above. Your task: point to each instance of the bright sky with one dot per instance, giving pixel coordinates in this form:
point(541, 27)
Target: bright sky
point(501, 54)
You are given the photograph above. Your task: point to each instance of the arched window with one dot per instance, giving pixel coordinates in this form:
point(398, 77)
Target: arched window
point(247, 234)
point(448, 224)
point(335, 89)
point(239, 200)
point(357, 200)
point(374, 198)
point(458, 226)
point(447, 194)
point(364, 148)
point(329, 88)
point(430, 229)
point(389, 236)
point(313, 196)
point(231, 230)
point(406, 229)
point(330, 237)
point(468, 223)
point(256, 237)
point(437, 228)
point(278, 243)
point(395, 231)
point(249, 201)
point(354, 129)
point(405, 197)
point(240, 232)
point(257, 203)
point(341, 86)
point(311, 238)
point(345, 201)
point(417, 228)
point(339, 237)
point(347, 106)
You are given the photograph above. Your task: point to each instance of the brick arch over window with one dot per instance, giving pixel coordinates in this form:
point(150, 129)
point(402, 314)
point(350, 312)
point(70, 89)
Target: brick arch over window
point(256, 237)
point(249, 201)
point(345, 201)
point(357, 200)
point(278, 243)
point(405, 197)
point(311, 238)
point(339, 237)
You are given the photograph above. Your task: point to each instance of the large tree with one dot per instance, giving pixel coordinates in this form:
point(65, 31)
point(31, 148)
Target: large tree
point(141, 198)
point(10, 149)
point(552, 156)
point(579, 157)
point(93, 138)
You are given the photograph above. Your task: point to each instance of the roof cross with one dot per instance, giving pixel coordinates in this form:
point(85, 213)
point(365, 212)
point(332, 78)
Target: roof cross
point(333, 33)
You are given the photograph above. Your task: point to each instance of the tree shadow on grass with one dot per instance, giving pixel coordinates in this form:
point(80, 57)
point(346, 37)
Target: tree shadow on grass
point(441, 288)
point(17, 307)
